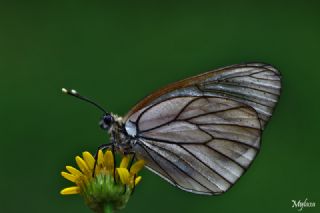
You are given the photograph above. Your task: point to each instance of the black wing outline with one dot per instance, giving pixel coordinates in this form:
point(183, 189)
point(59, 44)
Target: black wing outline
point(197, 156)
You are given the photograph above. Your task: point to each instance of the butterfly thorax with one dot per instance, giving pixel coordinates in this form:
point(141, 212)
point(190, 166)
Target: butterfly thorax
point(119, 136)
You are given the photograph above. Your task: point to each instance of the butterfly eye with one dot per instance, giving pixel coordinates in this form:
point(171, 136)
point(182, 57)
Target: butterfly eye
point(106, 121)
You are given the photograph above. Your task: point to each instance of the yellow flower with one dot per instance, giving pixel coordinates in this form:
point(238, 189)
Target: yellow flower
point(130, 177)
point(109, 185)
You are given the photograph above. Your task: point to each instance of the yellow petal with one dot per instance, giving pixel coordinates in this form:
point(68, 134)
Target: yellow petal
point(70, 190)
point(124, 162)
point(108, 159)
point(89, 159)
point(73, 171)
point(69, 177)
point(136, 167)
point(100, 157)
point(137, 180)
point(82, 165)
point(124, 175)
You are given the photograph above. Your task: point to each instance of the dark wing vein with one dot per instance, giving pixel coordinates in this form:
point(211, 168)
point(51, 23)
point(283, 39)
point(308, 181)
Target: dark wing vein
point(177, 167)
point(171, 142)
point(235, 141)
point(241, 86)
point(225, 156)
point(175, 118)
point(188, 104)
point(223, 124)
point(234, 95)
point(214, 171)
point(151, 157)
point(187, 163)
point(214, 112)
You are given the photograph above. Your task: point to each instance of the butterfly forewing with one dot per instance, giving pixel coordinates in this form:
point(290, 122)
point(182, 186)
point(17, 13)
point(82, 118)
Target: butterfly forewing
point(257, 85)
point(202, 133)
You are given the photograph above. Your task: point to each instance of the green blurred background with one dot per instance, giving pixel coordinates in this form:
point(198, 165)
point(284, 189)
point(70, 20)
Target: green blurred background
point(116, 52)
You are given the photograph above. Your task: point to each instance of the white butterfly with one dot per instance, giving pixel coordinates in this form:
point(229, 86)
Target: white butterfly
point(202, 133)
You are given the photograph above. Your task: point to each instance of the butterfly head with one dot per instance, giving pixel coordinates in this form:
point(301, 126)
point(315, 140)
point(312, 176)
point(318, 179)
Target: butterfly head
point(106, 121)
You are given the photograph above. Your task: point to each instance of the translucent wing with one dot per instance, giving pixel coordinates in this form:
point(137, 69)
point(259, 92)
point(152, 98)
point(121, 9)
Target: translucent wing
point(200, 144)
point(202, 133)
point(255, 84)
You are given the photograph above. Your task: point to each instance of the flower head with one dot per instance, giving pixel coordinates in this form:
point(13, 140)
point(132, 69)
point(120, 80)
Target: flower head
point(109, 186)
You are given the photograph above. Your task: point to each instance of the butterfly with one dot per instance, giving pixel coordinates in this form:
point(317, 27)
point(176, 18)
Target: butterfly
point(201, 133)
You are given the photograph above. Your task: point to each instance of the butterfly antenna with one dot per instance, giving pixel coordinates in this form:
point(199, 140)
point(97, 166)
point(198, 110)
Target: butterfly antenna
point(74, 93)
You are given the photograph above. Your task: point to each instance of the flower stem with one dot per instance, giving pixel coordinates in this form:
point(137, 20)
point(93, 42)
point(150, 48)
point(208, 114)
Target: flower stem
point(108, 208)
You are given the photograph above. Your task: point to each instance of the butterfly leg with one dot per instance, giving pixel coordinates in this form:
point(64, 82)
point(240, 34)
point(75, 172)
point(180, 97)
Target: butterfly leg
point(114, 162)
point(134, 183)
point(130, 164)
point(132, 159)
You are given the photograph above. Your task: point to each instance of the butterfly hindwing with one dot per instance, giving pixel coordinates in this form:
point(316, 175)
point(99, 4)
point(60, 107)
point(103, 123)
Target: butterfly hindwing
point(200, 144)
